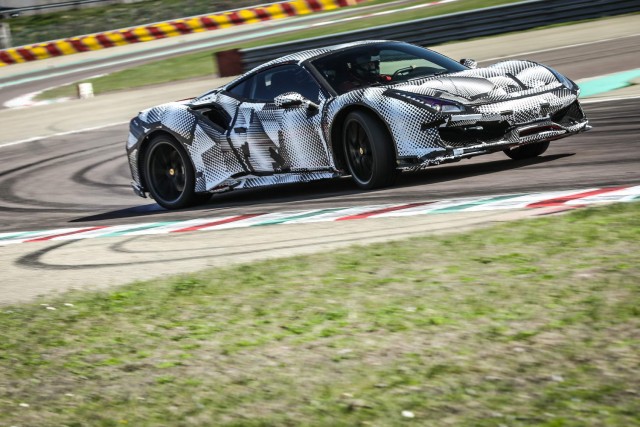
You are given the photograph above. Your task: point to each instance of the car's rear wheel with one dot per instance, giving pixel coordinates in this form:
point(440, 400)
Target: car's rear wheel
point(528, 151)
point(368, 151)
point(169, 174)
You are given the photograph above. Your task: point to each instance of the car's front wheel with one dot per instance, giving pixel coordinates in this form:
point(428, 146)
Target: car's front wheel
point(528, 151)
point(368, 151)
point(169, 174)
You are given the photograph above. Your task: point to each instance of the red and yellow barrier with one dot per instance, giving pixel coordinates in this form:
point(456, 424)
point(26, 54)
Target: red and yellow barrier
point(167, 29)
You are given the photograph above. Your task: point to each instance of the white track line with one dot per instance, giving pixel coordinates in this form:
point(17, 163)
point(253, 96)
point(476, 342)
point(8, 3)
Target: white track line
point(38, 138)
point(551, 49)
point(618, 98)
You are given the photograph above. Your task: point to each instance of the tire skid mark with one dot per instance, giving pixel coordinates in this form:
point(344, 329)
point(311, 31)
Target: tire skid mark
point(15, 177)
point(47, 160)
point(79, 177)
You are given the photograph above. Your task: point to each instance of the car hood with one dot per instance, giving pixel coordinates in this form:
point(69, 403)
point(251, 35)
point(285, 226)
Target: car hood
point(498, 82)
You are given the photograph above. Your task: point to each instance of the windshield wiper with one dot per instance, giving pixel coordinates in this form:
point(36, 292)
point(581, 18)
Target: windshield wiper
point(439, 73)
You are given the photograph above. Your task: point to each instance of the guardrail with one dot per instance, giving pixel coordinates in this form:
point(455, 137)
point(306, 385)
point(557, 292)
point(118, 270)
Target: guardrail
point(457, 26)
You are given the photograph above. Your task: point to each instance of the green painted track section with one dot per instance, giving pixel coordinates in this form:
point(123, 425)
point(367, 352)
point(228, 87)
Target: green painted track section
point(608, 83)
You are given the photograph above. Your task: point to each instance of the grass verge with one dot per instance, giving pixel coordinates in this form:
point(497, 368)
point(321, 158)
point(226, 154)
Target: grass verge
point(534, 322)
point(200, 64)
point(169, 70)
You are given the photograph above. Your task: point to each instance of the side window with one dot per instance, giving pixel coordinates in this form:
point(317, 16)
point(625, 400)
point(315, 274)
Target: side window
point(268, 84)
point(244, 88)
point(306, 85)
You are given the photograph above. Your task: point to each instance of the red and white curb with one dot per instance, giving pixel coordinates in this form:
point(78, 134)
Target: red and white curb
point(547, 202)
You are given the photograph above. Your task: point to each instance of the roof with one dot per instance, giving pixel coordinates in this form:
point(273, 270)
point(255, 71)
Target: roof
point(314, 53)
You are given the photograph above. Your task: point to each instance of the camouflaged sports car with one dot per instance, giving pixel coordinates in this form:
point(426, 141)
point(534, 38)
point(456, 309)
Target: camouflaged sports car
point(368, 109)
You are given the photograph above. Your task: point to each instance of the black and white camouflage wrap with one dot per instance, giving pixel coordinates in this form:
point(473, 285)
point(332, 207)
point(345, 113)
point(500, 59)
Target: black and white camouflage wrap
point(267, 143)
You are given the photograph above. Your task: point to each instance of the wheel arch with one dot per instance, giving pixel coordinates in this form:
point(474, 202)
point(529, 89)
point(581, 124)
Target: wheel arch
point(335, 132)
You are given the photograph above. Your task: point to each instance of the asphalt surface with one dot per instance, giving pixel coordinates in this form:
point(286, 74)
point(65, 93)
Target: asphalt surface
point(82, 179)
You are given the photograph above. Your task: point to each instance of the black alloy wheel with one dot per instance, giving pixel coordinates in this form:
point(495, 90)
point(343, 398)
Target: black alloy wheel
point(528, 151)
point(369, 151)
point(169, 174)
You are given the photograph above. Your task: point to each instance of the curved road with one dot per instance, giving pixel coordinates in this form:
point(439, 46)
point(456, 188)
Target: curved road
point(82, 180)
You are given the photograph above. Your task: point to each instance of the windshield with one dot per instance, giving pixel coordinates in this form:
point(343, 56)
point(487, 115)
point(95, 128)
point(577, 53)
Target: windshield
point(381, 63)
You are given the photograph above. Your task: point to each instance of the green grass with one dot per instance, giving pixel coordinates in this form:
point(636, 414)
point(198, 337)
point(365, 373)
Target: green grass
point(199, 64)
point(174, 69)
point(359, 24)
point(527, 323)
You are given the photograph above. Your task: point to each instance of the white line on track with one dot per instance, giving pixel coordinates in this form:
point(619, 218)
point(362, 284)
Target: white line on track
point(617, 98)
point(27, 100)
point(38, 138)
point(551, 49)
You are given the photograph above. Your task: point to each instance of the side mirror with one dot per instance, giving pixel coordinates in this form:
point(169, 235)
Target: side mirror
point(293, 99)
point(469, 63)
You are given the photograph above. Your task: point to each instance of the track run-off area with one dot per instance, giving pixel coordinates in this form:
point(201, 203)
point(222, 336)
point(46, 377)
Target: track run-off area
point(72, 182)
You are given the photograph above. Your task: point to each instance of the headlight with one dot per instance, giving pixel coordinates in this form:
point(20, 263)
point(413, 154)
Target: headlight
point(438, 104)
point(451, 108)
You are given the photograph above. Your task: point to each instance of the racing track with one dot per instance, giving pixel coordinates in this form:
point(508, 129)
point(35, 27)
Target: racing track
point(82, 180)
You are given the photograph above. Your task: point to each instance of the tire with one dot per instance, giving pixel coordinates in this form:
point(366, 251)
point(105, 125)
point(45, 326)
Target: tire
point(169, 174)
point(368, 151)
point(528, 151)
